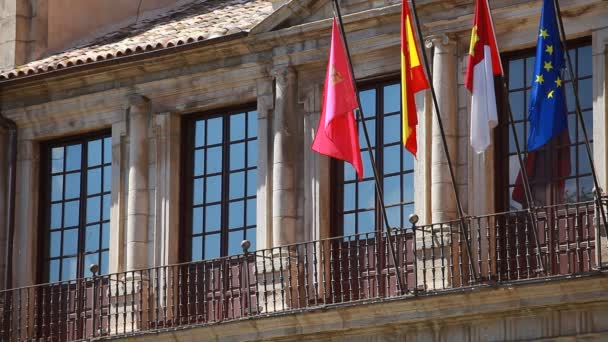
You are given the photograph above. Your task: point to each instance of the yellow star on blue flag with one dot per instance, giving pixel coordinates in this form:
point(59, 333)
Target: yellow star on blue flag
point(547, 112)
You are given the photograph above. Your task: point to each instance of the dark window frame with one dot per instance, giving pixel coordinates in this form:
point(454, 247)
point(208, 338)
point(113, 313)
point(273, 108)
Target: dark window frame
point(503, 131)
point(187, 177)
point(337, 166)
point(45, 200)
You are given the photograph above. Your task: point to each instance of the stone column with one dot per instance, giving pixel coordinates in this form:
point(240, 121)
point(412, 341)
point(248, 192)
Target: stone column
point(137, 203)
point(443, 201)
point(284, 200)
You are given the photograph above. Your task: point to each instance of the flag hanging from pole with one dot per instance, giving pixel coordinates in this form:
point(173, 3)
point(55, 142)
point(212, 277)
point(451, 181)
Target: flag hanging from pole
point(337, 134)
point(547, 113)
point(484, 63)
point(413, 80)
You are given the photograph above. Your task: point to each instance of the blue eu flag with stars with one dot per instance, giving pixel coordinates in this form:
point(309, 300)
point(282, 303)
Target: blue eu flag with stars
point(547, 112)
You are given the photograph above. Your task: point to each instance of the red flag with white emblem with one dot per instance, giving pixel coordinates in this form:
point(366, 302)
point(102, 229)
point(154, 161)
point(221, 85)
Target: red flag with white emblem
point(483, 65)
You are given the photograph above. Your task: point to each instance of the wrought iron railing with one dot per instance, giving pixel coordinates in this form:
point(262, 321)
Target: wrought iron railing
point(430, 259)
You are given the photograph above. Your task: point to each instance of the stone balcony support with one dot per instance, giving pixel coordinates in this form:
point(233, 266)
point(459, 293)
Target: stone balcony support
point(137, 203)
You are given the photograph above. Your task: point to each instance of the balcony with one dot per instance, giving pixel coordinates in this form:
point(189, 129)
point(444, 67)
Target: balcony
point(507, 248)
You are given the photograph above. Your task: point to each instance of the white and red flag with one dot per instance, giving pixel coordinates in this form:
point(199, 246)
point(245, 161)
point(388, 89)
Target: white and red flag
point(337, 134)
point(483, 65)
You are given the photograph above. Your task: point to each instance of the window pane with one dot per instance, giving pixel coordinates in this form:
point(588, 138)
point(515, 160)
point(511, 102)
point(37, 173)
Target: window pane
point(349, 224)
point(71, 214)
point(107, 178)
point(237, 156)
point(198, 190)
point(214, 160)
point(367, 192)
point(252, 153)
point(371, 130)
point(107, 150)
point(72, 185)
point(93, 181)
point(90, 259)
point(368, 102)
point(252, 182)
point(408, 187)
point(197, 248)
point(584, 56)
point(237, 185)
point(392, 98)
point(105, 236)
point(92, 238)
point(68, 269)
point(349, 196)
point(197, 220)
point(251, 212)
point(252, 124)
point(251, 236)
point(392, 190)
point(366, 221)
point(74, 153)
point(106, 205)
point(94, 153)
point(56, 188)
point(199, 133)
point(392, 129)
point(234, 242)
point(516, 100)
point(54, 271)
point(70, 241)
point(214, 189)
point(237, 127)
point(199, 162)
point(55, 248)
point(57, 159)
point(516, 74)
point(585, 93)
point(394, 216)
point(103, 267)
point(214, 131)
point(212, 246)
point(392, 159)
point(93, 209)
point(585, 188)
point(213, 217)
point(56, 215)
point(408, 210)
point(236, 214)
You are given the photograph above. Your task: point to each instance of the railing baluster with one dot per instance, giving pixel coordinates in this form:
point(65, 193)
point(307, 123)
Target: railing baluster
point(315, 272)
point(306, 277)
point(442, 256)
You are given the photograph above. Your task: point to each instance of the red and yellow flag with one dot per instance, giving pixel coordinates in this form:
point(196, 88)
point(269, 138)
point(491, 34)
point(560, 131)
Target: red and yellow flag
point(413, 79)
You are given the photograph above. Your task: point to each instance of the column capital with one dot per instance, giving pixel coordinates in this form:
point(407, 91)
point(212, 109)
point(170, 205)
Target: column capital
point(283, 73)
point(137, 100)
point(440, 40)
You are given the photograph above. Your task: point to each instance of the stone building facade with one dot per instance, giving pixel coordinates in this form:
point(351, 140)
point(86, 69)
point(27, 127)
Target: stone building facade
point(186, 112)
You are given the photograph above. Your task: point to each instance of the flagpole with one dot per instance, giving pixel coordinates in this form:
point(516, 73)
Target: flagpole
point(522, 167)
point(463, 225)
point(359, 111)
point(579, 113)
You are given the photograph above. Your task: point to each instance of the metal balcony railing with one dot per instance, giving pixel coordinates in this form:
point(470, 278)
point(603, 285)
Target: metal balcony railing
point(427, 259)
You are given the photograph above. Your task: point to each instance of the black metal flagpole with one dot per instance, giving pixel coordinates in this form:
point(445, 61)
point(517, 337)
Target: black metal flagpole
point(359, 111)
point(579, 114)
point(524, 173)
point(463, 225)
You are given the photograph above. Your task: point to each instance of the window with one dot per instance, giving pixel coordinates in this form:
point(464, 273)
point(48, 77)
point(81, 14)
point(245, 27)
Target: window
point(561, 172)
point(359, 211)
point(220, 184)
point(77, 173)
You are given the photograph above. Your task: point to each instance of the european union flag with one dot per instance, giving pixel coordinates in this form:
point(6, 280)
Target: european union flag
point(547, 112)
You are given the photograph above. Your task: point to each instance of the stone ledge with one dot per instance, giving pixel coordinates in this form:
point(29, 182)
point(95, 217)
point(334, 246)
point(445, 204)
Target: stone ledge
point(519, 312)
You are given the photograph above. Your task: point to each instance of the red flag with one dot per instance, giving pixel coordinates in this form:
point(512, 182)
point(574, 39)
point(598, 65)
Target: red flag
point(337, 132)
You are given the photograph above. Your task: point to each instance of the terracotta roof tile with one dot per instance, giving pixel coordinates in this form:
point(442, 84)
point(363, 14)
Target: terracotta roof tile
point(193, 22)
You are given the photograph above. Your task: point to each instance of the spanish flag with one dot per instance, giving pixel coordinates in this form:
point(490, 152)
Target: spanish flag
point(413, 79)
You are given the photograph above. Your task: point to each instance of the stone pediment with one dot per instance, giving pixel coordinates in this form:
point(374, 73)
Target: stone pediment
point(298, 12)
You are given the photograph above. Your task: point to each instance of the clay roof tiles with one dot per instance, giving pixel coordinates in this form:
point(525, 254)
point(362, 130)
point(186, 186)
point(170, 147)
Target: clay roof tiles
point(194, 21)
